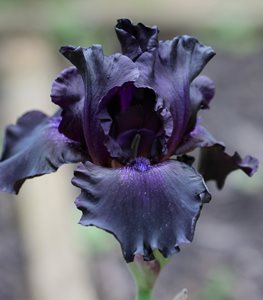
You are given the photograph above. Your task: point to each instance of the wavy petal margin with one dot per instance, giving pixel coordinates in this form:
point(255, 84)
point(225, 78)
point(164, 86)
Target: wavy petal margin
point(202, 90)
point(100, 74)
point(68, 92)
point(136, 39)
point(200, 137)
point(35, 147)
point(169, 71)
point(145, 207)
point(215, 164)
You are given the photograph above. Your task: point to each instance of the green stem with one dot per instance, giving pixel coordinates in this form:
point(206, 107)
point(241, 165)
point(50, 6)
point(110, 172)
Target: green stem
point(145, 274)
point(143, 294)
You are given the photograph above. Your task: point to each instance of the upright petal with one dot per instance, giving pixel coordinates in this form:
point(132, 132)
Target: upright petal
point(136, 39)
point(127, 113)
point(145, 207)
point(216, 164)
point(169, 71)
point(68, 92)
point(35, 147)
point(202, 90)
point(100, 74)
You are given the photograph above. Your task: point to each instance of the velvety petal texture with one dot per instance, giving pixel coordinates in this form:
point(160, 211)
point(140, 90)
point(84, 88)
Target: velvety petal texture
point(131, 119)
point(100, 74)
point(68, 92)
point(202, 90)
point(145, 206)
point(136, 39)
point(216, 164)
point(200, 137)
point(169, 71)
point(134, 122)
point(34, 147)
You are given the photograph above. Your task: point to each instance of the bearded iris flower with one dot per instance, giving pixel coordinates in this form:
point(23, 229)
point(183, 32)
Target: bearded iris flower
point(130, 120)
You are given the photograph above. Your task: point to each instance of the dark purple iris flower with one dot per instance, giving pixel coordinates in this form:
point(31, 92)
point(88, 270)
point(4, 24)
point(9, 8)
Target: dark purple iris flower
point(130, 119)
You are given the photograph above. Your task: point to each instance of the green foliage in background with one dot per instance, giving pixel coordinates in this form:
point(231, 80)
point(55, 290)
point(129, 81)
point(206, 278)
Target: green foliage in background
point(227, 27)
point(218, 286)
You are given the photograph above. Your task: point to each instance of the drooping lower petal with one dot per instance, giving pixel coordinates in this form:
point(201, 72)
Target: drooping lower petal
point(145, 207)
point(216, 164)
point(68, 92)
point(35, 147)
point(199, 137)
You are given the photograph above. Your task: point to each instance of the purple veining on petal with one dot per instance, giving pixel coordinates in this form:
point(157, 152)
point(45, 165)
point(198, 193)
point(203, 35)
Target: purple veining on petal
point(146, 207)
point(131, 112)
point(140, 164)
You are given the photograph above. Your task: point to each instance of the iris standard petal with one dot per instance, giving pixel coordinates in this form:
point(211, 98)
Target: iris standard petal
point(100, 74)
point(202, 90)
point(169, 72)
point(68, 92)
point(216, 164)
point(144, 206)
point(35, 147)
point(127, 113)
point(136, 39)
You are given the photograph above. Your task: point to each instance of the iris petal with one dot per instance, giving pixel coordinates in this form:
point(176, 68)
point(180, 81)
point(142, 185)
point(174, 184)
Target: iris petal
point(68, 92)
point(126, 112)
point(100, 74)
point(169, 72)
point(145, 207)
point(34, 147)
point(136, 39)
point(202, 90)
point(199, 137)
point(216, 164)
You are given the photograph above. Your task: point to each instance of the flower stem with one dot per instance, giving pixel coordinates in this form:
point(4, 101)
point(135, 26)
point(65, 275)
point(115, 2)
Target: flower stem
point(143, 294)
point(145, 274)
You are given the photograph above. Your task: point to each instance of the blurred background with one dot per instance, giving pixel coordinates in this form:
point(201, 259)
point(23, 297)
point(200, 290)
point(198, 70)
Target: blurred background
point(44, 253)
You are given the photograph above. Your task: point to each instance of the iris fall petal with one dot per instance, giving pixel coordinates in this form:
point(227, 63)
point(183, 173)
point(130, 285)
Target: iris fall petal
point(146, 207)
point(34, 147)
point(200, 137)
point(216, 164)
